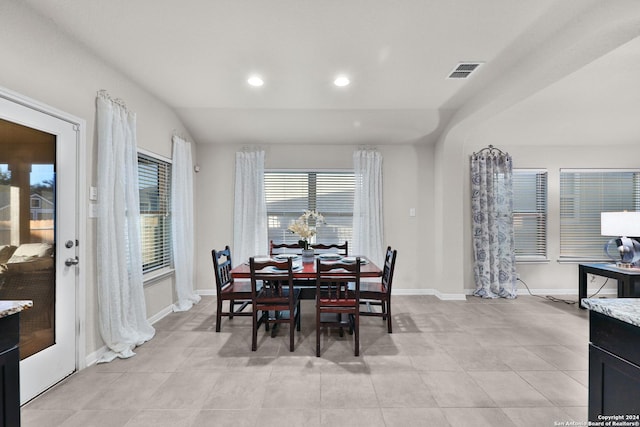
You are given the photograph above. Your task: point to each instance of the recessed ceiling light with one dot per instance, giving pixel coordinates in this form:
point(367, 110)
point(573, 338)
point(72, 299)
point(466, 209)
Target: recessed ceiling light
point(341, 81)
point(255, 81)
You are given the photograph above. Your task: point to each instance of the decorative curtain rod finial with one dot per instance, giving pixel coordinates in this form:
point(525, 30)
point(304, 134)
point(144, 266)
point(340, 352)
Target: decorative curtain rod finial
point(491, 151)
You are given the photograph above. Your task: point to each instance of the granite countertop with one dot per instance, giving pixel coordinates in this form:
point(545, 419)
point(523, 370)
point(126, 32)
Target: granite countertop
point(624, 309)
point(8, 308)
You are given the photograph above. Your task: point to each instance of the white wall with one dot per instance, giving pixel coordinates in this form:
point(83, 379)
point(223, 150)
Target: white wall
point(407, 183)
point(43, 64)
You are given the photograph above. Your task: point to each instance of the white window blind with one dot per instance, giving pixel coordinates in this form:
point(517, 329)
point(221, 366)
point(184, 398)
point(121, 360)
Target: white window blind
point(584, 194)
point(289, 194)
point(530, 214)
point(154, 184)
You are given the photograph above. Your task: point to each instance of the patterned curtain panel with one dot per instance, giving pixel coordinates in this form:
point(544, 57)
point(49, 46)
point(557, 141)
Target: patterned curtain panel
point(492, 215)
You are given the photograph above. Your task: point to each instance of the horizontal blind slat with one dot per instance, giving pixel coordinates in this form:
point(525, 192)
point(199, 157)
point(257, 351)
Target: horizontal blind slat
point(289, 194)
point(584, 194)
point(530, 212)
point(154, 184)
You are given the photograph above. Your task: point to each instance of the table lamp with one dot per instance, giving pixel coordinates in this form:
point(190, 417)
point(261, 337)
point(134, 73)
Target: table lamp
point(625, 225)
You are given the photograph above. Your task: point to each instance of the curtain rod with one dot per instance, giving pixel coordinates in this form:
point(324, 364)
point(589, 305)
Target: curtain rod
point(104, 94)
point(179, 135)
point(492, 151)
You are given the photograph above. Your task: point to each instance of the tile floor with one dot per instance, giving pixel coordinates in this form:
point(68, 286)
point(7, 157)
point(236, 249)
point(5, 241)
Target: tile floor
point(475, 363)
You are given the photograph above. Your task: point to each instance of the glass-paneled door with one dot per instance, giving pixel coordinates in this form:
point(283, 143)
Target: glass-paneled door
point(38, 243)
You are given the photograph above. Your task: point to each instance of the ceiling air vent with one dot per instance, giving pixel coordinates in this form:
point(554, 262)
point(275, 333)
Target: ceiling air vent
point(463, 70)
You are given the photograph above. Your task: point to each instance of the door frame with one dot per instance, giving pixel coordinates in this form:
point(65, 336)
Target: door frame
point(81, 213)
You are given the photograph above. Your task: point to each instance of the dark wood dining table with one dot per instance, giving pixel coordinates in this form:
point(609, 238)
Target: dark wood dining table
point(305, 276)
point(308, 270)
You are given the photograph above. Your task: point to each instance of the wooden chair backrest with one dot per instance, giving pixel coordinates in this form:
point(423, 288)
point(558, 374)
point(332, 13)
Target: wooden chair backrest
point(337, 282)
point(274, 277)
point(282, 248)
point(222, 267)
point(389, 267)
point(332, 248)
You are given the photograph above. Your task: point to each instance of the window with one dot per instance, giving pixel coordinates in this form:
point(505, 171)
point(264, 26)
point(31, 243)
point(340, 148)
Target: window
point(154, 184)
point(530, 214)
point(289, 194)
point(583, 195)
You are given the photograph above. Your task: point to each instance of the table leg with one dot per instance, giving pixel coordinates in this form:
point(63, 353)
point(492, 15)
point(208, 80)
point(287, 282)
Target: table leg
point(582, 285)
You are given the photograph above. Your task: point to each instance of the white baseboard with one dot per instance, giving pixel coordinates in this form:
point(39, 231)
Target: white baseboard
point(542, 292)
point(161, 314)
point(206, 292)
point(395, 291)
point(450, 297)
point(437, 293)
point(572, 291)
point(92, 358)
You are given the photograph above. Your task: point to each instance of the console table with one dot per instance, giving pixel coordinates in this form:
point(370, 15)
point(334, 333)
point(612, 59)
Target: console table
point(626, 278)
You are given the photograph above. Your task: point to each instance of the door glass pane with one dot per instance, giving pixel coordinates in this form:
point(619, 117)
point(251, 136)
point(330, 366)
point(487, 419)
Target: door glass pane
point(27, 230)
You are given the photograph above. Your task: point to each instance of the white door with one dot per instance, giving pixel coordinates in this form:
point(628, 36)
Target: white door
point(38, 167)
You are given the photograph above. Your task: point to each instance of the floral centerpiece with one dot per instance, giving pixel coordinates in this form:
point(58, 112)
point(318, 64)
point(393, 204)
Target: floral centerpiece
point(304, 229)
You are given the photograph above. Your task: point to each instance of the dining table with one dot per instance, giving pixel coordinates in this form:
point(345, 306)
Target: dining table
point(304, 273)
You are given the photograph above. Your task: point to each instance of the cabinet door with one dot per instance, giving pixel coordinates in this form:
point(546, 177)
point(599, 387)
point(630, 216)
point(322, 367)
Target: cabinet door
point(9, 371)
point(614, 385)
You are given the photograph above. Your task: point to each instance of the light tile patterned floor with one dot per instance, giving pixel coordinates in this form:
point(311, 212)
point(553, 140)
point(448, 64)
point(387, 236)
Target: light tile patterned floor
point(475, 363)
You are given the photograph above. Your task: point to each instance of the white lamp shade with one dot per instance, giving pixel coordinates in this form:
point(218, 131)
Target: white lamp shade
point(618, 224)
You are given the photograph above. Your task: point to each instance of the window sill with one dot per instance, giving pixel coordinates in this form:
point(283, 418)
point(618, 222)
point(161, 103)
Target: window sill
point(157, 275)
point(581, 260)
point(532, 260)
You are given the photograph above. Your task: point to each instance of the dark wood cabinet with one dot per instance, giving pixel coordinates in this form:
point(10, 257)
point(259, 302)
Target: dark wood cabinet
point(9, 371)
point(614, 368)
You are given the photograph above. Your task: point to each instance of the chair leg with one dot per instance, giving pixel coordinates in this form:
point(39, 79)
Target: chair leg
point(232, 307)
point(292, 331)
point(388, 302)
point(357, 333)
point(254, 332)
point(317, 332)
point(218, 313)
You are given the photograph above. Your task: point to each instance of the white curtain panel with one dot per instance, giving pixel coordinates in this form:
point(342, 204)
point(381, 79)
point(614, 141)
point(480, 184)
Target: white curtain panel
point(492, 226)
point(250, 207)
point(122, 311)
point(182, 224)
point(368, 229)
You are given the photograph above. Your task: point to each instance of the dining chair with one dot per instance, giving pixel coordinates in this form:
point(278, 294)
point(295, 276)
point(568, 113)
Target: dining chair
point(378, 293)
point(332, 248)
point(338, 299)
point(282, 248)
point(274, 296)
point(237, 292)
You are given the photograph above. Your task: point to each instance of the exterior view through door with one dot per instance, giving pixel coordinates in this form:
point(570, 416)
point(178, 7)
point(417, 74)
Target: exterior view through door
point(38, 233)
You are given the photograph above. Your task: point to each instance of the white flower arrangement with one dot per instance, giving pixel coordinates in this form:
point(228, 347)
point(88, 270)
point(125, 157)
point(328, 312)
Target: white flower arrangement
point(302, 228)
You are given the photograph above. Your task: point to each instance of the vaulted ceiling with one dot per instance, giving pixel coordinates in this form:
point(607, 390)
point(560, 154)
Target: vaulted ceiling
point(196, 55)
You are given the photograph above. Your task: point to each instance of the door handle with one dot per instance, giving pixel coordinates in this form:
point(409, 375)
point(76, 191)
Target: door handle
point(71, 261)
